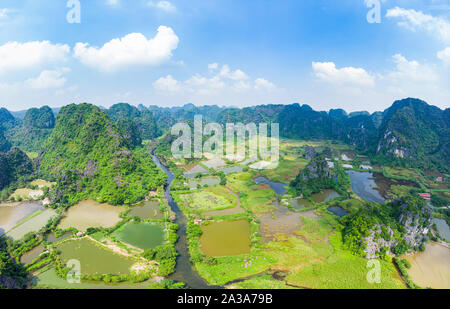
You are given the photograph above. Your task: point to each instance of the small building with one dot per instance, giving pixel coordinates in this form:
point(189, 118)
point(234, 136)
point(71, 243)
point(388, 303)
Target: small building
point(425, 196)
point(439, 179)
point(197, 221)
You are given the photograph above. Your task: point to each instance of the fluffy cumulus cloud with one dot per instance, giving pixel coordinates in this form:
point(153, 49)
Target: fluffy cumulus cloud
point(17, 56)
point(220, 79)
point(406, 78)
point(263, 84)
point(411, 71)
point(162, 5)
point(48, 79)
point(347, 76)
point(444, 55)
point(417, 20)
point(132, 50)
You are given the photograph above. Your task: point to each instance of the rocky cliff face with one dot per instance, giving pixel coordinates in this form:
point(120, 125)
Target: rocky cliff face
point(415, 131)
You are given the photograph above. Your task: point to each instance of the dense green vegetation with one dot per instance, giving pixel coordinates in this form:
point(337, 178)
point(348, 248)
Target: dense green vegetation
point(415, 134)
point(5, 145)
point(317, 176)
point(14, 165)
point(134, 124)
point(12, 275)
point(36, 127)
point(91, 159)
point(396, 227)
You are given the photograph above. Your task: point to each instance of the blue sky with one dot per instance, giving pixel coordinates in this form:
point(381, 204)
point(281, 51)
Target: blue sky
point(226, 52)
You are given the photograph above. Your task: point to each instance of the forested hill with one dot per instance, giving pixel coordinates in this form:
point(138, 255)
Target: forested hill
point(30, 133)
point(135, 124)
point(412, 130)
point(411, 133)
point(91, 159)
point(4, 143)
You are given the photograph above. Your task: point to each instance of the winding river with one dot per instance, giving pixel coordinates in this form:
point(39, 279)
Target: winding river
point(184, 271)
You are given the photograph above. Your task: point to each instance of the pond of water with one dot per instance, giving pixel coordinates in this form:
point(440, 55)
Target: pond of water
point(324, 196)
point(141, 235)
point(89, 213)
point(338, 211)
point(93, 258)
point(431, 268)
point(300, 203)
point(52, 238)
point(363, 184)
point(147, 210)
point(278, 187)
point(226, 238)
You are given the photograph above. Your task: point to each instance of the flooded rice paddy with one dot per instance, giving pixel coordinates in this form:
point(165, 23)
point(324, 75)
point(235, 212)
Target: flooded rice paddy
point(231, 170)
point(226, 238)
point(12, 213)
point(32, 225)
point(94, 259)
point(49, 279)
point(141, 235)
point(279, 221)
point(209, 181)
point(89, 213)
point(147, 210)
point(443, 228)
point(30, 256)
point(431, 268)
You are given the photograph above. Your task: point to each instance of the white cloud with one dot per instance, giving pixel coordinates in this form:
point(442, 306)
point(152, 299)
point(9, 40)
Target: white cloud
point(263, 84)
point(167, 84)
point(223, 80)
point(406, 78)
point(234, 75)
point(17, 56)
point(444, 55)
point(416, 20)
point(163, 5)
point(408, 72)
point(48, 79)
point(348, 76)
point(132, 50)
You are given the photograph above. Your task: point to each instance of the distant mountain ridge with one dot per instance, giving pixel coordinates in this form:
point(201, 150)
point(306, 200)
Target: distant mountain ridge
point(409, 133)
